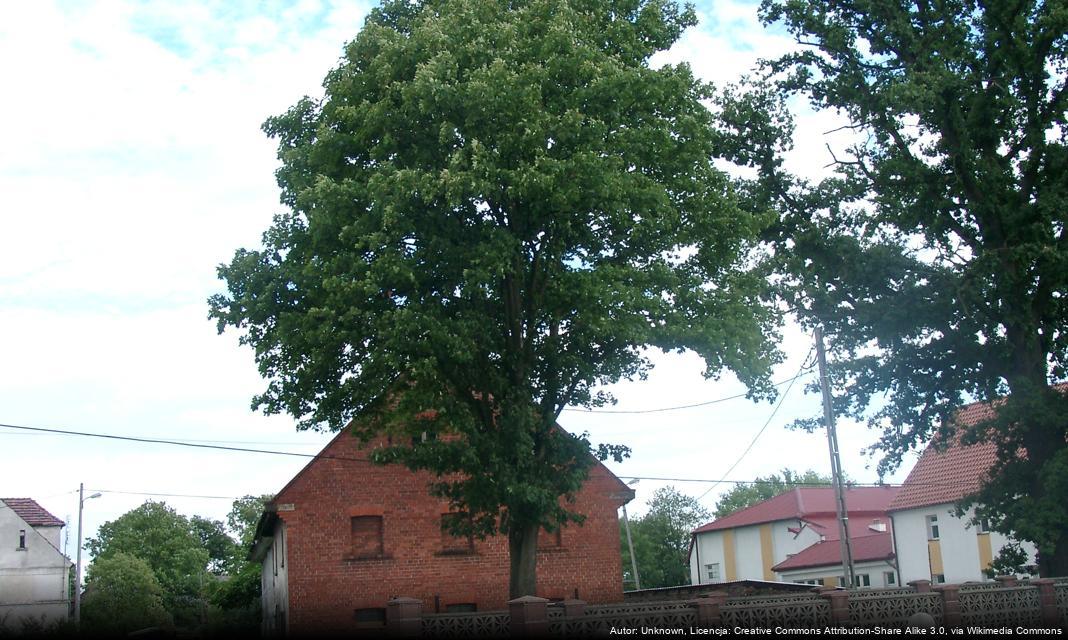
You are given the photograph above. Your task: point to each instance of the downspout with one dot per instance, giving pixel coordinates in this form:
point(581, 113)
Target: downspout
point(697, 555)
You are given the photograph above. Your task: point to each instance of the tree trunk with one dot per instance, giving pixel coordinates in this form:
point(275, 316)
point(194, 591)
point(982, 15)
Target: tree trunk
point(1055, 565)
point(523, 554)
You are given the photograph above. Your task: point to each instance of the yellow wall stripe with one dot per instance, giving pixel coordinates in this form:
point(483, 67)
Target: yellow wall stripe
point(986, 551)
point(766, 556)
point(934, 553)
point(728, 555)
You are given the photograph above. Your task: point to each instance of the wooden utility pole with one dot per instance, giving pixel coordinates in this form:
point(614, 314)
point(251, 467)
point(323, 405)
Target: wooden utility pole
point(836, 467)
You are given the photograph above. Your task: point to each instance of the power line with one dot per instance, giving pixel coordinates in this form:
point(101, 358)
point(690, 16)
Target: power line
point(688, 406)
point(166, 495)
point(774, 411)
point(178, 443)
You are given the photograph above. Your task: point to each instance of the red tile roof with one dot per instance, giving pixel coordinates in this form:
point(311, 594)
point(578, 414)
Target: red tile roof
point(941, 477)
point(829, 553)
point(33, 513)
point(813, 504)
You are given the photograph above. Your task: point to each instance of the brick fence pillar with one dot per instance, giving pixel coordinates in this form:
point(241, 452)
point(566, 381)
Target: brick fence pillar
point(530, 617)
point(920, 586)
point(839, 605)
point(404, 618)
point(1047, 597)
point(1006, 581)
point(709, 608)
point(950, 604)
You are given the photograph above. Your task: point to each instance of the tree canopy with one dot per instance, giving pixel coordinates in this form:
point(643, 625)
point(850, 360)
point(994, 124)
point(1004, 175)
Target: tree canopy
point(936, 258)
point(122, 595)
point(747, 494)
point(495, 207)
point(661, 540)
point(168, 543)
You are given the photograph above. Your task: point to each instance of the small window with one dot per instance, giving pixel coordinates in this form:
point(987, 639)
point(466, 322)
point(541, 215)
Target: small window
point(712, 570)
point(861, 580)
point(938, 578)
point(462, 607)
point(22, 538)
point(889, 578)
point(452, 543)
point(366, 536)
point(983, 526)
point(549, 539)
point(373, 617)
point(932, 527)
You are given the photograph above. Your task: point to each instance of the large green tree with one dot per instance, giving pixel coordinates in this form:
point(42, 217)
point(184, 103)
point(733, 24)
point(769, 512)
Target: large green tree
point(747, 494)
point(169, 544)
point(936, 258)
point(122, 595)
point(492, 210)
point(661, 539)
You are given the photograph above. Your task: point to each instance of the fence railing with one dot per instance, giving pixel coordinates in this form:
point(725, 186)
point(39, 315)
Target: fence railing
point(1004, 604)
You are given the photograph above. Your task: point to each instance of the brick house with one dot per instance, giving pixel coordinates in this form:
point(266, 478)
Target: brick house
point(344, 536)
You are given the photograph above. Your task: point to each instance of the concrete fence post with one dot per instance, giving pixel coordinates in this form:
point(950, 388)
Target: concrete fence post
point(530, 617)
point(404, 618)
point(1047, 597)
point(710, 608)
point(950, 593)
point(574, 608)
point(839, 605)
point(920, 586)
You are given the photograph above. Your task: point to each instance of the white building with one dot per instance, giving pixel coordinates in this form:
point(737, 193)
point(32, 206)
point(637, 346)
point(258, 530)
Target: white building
point(33, 571)
point(873, 563)
point(930, 542)
point(753, 544)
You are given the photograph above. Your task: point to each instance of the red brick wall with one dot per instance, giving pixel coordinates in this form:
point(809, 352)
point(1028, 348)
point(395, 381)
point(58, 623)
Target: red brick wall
point(327, 584)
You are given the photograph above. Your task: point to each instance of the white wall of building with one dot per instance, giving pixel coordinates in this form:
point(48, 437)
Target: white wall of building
point(274, 580)
point(959, 545)
point(709, 548)
point(876, 572)
point(33, 577)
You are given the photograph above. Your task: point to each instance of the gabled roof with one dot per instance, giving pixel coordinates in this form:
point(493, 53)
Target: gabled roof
point(812, 504)
point(33, 513)
point(941, 477)
point(829, 553)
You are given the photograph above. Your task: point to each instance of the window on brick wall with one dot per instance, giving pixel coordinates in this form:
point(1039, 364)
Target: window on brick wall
point(366, 536)
point(451, 543)
point(461, 607)
point(549, 539)
point(372, 617)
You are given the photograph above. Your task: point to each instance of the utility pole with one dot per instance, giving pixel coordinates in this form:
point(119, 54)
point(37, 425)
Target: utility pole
point(78, 563)
point(78, 566)
point(836, 466)
point(633, 562)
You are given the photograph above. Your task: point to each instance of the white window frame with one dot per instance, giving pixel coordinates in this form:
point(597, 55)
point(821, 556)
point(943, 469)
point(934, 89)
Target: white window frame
point(712, 571)
point(932, 526)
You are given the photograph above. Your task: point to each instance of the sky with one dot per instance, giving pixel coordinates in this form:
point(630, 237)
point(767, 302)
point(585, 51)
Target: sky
point(132, 164)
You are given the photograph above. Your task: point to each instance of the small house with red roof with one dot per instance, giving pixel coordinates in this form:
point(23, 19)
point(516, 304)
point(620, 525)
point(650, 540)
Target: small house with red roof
point(793, 537)
point(931, 542)
point(345, 536)
point(33, 571)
